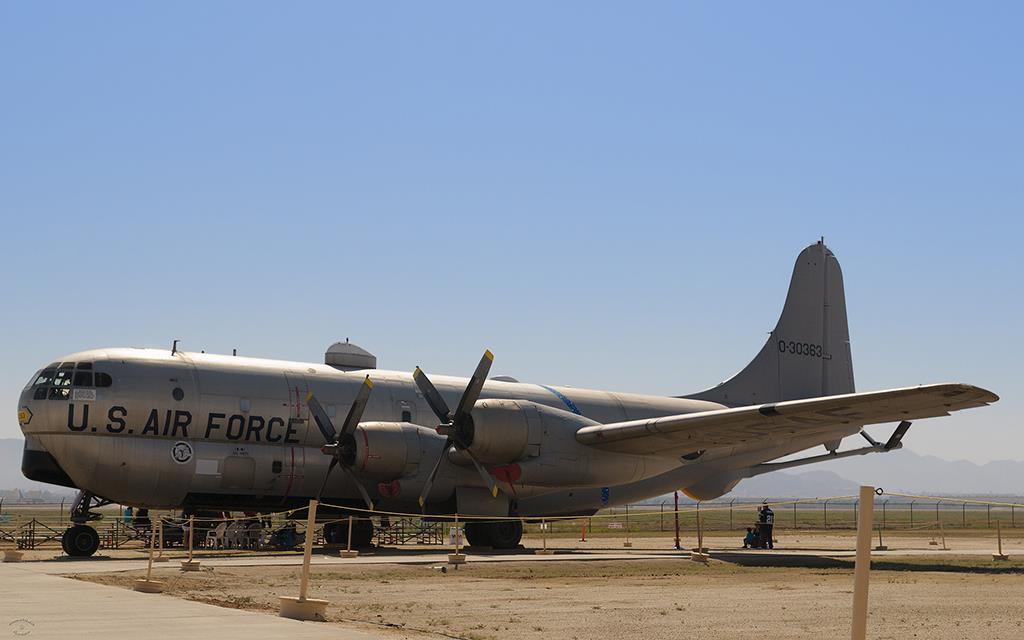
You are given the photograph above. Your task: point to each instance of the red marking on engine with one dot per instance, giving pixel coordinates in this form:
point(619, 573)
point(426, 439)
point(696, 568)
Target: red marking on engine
point(389, 489)
point(508, 473)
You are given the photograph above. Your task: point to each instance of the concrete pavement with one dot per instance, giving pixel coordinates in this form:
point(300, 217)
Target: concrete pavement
point(35, 605)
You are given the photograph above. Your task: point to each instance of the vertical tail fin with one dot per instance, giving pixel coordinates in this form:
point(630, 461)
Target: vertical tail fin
point(808, 352)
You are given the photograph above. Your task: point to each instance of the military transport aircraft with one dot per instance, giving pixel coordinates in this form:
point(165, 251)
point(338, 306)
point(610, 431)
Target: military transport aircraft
point(195, 431)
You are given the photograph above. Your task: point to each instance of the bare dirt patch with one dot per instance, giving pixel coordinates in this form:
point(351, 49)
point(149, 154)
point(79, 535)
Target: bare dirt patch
point(669, 598)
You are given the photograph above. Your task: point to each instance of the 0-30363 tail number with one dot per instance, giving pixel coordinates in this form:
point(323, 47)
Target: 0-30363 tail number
point(800, 348)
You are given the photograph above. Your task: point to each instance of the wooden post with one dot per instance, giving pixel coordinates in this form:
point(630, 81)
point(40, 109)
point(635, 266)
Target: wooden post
point(943, 534)
point(190, 564)
point(583, 530)
point(627, 543)
point(160, 557)
point(544, 539)
point(307, 550)
point(458, 557)
point(999, 538)
point(147, 584)
point(349, 552)
point(862, 565)
point(303, 608)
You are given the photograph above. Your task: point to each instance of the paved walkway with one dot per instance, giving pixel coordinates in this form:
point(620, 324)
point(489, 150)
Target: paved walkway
point(36, 605)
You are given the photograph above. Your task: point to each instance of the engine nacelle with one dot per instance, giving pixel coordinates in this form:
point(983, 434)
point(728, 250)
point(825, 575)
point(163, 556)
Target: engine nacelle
point(500, 431)
point(385, 449)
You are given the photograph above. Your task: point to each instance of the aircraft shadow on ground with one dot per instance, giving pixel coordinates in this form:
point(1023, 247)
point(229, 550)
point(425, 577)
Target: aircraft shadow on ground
point(796, 561)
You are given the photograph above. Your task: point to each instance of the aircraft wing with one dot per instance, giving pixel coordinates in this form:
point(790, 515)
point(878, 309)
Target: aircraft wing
point(671, 436)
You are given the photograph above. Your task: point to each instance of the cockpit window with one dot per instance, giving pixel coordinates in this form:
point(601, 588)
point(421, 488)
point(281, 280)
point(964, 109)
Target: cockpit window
point(55, 381)
point(45, 378)
point(62, 379)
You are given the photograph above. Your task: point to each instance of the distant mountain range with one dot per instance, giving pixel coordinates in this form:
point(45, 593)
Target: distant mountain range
point(901, 470)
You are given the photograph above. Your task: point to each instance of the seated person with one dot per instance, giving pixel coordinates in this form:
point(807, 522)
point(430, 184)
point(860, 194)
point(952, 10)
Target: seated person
point(749, 539)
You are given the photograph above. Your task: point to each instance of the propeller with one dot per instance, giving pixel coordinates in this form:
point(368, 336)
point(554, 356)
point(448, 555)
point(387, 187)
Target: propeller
point(341, 445)
point(456, 427)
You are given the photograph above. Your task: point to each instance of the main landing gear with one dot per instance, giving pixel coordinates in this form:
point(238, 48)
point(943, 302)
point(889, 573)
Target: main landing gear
point(500, 534)
point(80, 540)
point(362, 533)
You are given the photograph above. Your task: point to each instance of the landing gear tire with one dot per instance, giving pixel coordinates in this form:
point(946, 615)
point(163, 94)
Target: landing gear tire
point(478, 534)
point(80, 541)
point(362, 533)
point(504, 534)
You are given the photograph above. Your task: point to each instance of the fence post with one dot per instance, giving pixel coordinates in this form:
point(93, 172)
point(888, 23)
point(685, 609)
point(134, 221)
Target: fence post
point(937, 510)
point(912, 513)
point(989, 517)
point(963, 516)
point(862, 565)
point(730, 513)
point(884, 502)
point(794, 514)
point(855, 503)
point(661, 518)
point(824, 509)
point(303, 608)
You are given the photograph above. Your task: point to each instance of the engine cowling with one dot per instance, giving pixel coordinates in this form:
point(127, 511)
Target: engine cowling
point(384, 449)
point(500, 431)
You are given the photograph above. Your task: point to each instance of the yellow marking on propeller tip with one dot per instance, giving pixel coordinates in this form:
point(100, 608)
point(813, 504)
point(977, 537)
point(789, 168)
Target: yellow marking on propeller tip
point(309, 396)
point(494, 491)
point(368, 382)
point(489, 355)
point(421, 502)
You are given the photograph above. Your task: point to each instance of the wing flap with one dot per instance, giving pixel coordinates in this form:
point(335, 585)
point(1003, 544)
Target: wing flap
point(673, 435)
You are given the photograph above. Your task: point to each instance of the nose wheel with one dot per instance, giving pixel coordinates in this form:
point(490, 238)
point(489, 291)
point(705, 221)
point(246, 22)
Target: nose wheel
point(80, 541)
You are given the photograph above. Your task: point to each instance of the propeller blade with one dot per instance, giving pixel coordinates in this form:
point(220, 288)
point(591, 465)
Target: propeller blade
point(492, 486)
point(359, 485)
point(323, 421)
point(355, 412)
point(433, 473)
point(475, 386)
point(330, 468)
point(432, 395)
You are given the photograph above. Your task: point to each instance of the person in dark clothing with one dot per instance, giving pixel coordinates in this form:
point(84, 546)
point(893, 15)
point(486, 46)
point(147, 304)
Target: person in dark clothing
point(766, 519)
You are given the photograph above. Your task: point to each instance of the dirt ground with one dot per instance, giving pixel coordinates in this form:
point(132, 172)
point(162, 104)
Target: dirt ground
point(778, 596)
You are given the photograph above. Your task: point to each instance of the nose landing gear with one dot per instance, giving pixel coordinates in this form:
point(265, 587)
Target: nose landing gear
point(80, 540)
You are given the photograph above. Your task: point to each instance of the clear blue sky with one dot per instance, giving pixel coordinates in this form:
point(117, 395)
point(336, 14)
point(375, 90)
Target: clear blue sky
point(606, 195)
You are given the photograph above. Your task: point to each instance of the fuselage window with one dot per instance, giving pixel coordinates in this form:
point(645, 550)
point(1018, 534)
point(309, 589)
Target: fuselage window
point(407, 416)
point(67, 365)
point(103, 379)
point(84, 365)
point(83, 378)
